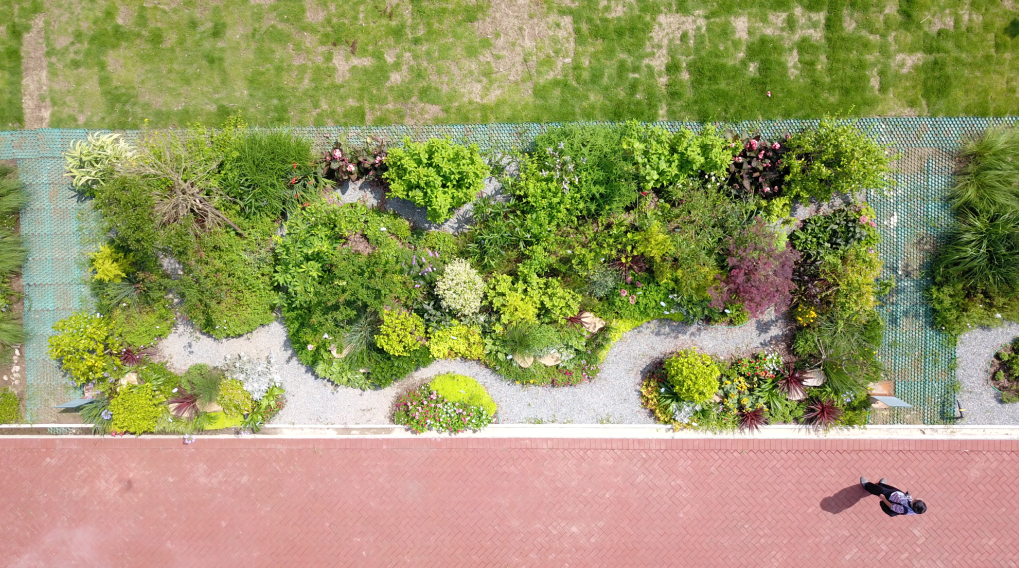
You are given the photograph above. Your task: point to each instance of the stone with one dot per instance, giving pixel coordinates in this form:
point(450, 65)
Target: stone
point(551, 360)
point(525, 361)
point(797, 394)
point(814, 378)
point(591, 322)
point(129, 379)
point(346, 351)
point(209, 407)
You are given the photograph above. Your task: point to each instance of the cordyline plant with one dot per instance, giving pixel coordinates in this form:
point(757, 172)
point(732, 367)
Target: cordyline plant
point(759, 169)
point(760, 274)
point(752, 420)
point(791, 383)
point(822, 413)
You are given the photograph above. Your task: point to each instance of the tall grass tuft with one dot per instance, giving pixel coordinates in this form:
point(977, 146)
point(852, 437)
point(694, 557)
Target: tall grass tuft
point(982, 254)
point(259, 172)
point(989, 180)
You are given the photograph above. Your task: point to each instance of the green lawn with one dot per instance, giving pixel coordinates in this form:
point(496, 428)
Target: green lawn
point(116, 63)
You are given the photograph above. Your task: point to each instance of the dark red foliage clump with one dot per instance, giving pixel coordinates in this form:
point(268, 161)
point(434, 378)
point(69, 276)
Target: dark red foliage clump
point(752, 420)
point(130, 357)
point(760, 168)
point(791, 383)
point(184, 405)
point(822, 413)
point(760, 273)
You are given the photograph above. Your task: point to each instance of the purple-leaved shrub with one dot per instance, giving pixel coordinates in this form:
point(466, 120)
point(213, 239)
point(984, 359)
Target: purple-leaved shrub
point(760, 271)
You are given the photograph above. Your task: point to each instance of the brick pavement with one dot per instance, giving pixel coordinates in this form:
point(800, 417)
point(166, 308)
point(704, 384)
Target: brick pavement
point(494, 502)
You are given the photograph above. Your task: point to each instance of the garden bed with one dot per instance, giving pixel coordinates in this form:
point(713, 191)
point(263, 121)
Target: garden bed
point(599, 232)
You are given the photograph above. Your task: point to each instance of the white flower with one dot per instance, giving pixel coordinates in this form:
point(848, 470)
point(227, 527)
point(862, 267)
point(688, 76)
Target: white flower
point(311, 347)
point(174, 389)
point(382, 228)
point(997, 315)
point(662, 303)
point(325, 336)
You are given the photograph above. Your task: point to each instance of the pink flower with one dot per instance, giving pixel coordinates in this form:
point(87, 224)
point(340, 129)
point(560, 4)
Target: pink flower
point(769, 93)
point(775, 146)
point(623, 292)
point(761, 155)
point(864, 219)
point(753, 144)
point(337, 154)
point(350, 168)
point(739, 158)
point(633, 299)
point(639, 285)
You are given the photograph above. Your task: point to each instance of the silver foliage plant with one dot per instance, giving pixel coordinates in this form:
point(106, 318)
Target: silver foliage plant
point(257, 375)
point(460, 288)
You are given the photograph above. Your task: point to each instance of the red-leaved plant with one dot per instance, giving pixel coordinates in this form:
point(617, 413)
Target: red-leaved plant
point(130, 357)
point(822, 413)
point(760, 273)
point(791, 383)
point(184, 405)
point(752, 420)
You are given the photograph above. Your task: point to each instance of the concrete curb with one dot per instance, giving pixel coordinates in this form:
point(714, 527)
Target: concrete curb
point(589, 431)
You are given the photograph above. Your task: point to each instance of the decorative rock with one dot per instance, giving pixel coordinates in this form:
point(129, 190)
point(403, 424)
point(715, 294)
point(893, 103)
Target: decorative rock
point(814, 378)
point(551, 360)
point(797, 394)
point(210, 407)
point(591, 322)
point(129, 379)
point(346, 351)
point(525, 361)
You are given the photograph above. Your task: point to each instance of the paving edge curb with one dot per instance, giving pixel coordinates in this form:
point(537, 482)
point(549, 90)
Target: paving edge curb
point(578, 431)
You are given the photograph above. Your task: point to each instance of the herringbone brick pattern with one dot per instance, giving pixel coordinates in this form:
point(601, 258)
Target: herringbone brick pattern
point(489, 502)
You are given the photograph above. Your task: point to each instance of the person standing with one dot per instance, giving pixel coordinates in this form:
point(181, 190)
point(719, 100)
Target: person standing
point(894, 501)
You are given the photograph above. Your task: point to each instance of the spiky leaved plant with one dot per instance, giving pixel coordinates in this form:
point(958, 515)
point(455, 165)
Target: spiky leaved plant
point(791, 383)
point(752, 420)
point(822, 413)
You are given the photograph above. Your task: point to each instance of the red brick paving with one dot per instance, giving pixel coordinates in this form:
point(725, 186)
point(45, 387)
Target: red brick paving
point(490, 502)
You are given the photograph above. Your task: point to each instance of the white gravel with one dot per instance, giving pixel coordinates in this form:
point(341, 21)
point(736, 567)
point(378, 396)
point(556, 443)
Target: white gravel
point(982, 404)
point(612, 397)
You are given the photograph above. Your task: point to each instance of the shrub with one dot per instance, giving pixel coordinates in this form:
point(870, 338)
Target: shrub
point(109, 265)
point(127, 208)
point(530, 298)
point(93, 162)
point(759, 169)
point(460, 288)
point(266, 408)
point(836, 158)
point(235, 400)
point(458, 341)
point(437, 174)
point(693, 376)
point(662, 158)
point(461, 388)
point(142, 326)
point(10, 407)
point(400, 333)
point(261, 169)
point(424, 409)
point(989, 178)
point(255, 375)
point(854, 277)
point(760, 273)
point(87, 347)
point(136, 408)
point(358, 162)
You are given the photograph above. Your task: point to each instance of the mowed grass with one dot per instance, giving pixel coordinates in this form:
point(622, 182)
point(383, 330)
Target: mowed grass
point(118, 63)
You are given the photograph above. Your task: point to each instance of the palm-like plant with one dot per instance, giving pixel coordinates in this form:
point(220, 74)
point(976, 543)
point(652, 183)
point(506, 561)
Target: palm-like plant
point(822, 413)
point(752, 420)
point(791, 383)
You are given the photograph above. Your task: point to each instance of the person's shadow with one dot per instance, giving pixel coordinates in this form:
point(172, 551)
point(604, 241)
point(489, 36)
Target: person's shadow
point(844, 499)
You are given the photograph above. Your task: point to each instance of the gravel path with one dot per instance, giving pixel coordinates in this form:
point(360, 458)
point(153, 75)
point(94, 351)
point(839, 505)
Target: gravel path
point(980, 402)
point(612, 397)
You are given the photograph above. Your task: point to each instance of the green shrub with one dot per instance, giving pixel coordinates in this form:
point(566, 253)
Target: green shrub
point(981, 255)
point(143, 326)
point(400, 333)
point(127, 208)
point(458, 341)
point(204, 382)
point(662, 158)
point(437, 174)
point(989, 180)
point(261, 169)
point(234, 399)
point(227, 284)
point(109, 265)
point(460, 288)
point(461, 388)
point(693, 376)
point(836, 158)
point(94, 161)
point(136, 408)
point(531, 298)
point(10, 407)
point(87, 347)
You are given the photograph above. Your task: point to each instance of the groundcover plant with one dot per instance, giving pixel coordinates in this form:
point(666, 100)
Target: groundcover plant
point(596, 230)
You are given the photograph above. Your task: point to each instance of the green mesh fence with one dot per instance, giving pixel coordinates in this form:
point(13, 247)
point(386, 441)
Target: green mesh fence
point(919, 359)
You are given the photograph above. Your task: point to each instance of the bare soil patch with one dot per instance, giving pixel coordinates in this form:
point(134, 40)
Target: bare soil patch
point(35, 100)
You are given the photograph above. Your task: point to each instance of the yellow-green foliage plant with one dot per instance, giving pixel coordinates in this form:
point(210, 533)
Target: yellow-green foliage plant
point(458, 341)
point(87, 347)
point(461, 388)
point(109, 265)
point(693, 375)
point(136, 408)
point(400, 333)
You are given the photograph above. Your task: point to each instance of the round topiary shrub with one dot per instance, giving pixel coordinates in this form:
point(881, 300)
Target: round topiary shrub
point(461, 388)
point(460, 288)
point(693, 375)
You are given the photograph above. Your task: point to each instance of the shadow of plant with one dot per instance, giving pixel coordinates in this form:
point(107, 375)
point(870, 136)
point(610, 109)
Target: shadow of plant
point(844, 499)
